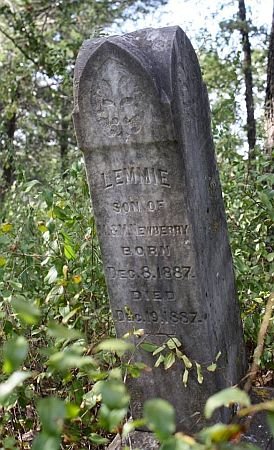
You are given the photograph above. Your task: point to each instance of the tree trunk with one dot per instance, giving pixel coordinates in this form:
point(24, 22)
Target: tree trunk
point(269, 98)
point(63, 139)
point(251, 124)
point(8, 169)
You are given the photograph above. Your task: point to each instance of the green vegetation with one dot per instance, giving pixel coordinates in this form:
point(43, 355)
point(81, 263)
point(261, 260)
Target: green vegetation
point(60, 382)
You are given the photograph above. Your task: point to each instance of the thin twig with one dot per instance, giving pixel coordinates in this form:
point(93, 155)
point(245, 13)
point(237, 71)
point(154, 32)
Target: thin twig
point(31, 255)
point(21, 49)
point(260, 342)
point(13, 40)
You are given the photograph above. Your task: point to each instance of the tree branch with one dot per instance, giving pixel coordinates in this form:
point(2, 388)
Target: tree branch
point(13, 40)
point(260, 342)
point(15, 43)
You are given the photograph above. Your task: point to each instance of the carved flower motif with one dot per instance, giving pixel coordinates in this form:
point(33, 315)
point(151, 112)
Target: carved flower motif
point(116, 100)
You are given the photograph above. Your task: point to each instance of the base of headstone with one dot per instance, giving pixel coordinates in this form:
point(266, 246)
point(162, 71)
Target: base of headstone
point(141, 440)
point(258, 433)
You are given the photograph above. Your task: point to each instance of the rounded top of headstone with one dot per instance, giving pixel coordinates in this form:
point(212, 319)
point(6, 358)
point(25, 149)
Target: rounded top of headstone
point(124, 89)
point(152, 47)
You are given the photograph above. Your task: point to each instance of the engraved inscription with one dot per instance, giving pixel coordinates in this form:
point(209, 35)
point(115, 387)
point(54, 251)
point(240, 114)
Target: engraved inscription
point(135, 176)
point(131, 229)
point(154, 295)
point(150, 273)
point(117, 101)
point(150, 250)
point(161, 317)
point(137, 206)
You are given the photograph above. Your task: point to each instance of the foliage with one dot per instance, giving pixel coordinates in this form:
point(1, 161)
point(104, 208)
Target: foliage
point(53, 306)
point(248, 197)
point(159, 417)
point(54, 312)
point(39, 44)
point(170, 351)
point(247, 186)
point(59, 382)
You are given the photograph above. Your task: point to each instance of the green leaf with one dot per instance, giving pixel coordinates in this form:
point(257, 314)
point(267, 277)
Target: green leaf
point(42, 227)
point(60, 213)
point(212, 367)
point(159, 350)
point(90, 399)
point(114, 394)
point(139, 333)
point(266, 177)
point(69, 359)
point(160, 359)
point(115, 345)
point(14, 353)
point(200, 376)
point(265, 199)
point(270, 257)
point(76, 279)
point(97, 439)
point(136, 369)
point(59, 331)
point(176, 443)
point(6, 227)
point(173, 343)
point(15, 285)
point(149, 347)
point(48, 197)
point(9, 443)
point(96, 389)
point(68, 316)
point(186, 361)
point(69, 251)
point(27, 311)
point(185, 377)
point(226, 397)
point(30, 185)
point(43, 441)
point(160, 418)
point(110, 419)
point(169, 360)
point(115, 374)
point(219, 433)
point(72, 410)
point(11, 383)
point(116, 417)
point(128, 427)
point(52, 412)
point(52, 275)
point(3, 261)
point(218, 356)
point(270, 421)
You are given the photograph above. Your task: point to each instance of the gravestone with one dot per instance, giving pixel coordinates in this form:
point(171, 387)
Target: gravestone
point(142, 120)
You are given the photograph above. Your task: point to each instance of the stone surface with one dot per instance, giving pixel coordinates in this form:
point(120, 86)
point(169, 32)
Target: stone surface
point(142, 120)
point(140, 440)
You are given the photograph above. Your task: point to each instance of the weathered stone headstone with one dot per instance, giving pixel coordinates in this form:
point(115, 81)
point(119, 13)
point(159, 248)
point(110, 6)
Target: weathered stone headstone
point(142, 120)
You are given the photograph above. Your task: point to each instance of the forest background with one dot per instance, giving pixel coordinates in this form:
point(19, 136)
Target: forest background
point(54, 309)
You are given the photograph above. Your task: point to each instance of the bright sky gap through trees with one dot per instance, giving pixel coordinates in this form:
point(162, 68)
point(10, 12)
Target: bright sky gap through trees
point(192, 15)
